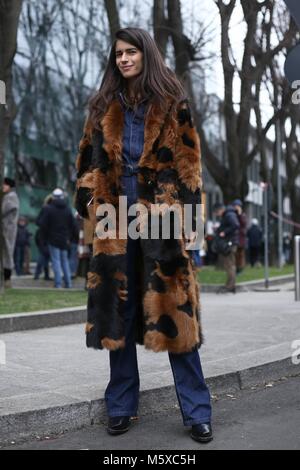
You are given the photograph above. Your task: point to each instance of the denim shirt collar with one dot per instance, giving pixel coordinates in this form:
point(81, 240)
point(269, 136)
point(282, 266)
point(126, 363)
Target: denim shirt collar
point(126, 106)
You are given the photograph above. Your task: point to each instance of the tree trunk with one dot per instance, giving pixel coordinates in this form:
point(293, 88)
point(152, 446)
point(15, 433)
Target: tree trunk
point(9, 19)
point(182, 57)
point(160, 26)
point(113, 17)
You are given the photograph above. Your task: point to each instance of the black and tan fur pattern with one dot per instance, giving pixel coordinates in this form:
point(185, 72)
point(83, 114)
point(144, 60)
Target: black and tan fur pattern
point(169, 172)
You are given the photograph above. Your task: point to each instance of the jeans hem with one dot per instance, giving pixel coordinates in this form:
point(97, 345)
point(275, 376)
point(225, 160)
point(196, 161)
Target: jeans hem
point(122, 413)
point(192, 422)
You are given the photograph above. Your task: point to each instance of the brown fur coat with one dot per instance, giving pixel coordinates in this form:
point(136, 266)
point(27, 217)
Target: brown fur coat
point(169, 171)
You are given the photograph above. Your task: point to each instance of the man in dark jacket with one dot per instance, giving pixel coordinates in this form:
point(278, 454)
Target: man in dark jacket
point(229, 231)
point(240, 257)
point(43, 256)
point(254, 242)
point(57, 224)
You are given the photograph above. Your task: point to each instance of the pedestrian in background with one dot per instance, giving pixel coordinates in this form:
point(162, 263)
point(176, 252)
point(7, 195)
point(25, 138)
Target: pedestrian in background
point(140, 141)
point(10, 214)
point(255, 239)
point(287, 246)
point(57, 223)
point(43, 256)
point(22, 241)
point(42, 246)
point(210, 232)
point(27, 259)
point(240, 256)
point(85, 247)
point(73, 249)
point(228, 232)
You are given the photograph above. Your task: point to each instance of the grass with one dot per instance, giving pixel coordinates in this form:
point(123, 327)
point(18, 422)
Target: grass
point(25, 300)
point(209, 275)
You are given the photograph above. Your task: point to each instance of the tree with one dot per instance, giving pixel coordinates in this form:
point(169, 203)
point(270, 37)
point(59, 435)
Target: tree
point(160, 26)
point(9, 19)
point(56, 76)
point(290, 136)
point(113, 16)
point(288, 131)
point(259, 51)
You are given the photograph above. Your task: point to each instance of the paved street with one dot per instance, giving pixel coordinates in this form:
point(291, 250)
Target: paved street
point(264, 418)
point(241, 331)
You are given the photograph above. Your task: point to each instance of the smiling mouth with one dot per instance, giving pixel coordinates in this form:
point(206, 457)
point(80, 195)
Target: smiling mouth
point(127, 68)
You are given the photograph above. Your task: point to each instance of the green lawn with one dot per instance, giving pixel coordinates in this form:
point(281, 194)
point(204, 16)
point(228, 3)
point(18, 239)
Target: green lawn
point(23, 300)
point(209, 275)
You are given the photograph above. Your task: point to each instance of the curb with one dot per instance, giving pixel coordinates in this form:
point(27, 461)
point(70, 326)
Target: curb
point(42, 319)
point(250, 285)
point(61, 289)
point(36, 423)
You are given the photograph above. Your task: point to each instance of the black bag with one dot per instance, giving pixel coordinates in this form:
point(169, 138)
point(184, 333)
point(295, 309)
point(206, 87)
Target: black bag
point(221, 246)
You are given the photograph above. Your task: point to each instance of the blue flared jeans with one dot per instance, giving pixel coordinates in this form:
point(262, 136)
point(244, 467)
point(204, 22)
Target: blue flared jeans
point(122, 392)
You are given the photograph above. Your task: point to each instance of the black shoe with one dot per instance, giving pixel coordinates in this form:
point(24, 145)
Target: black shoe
point(226, 290)
point(118, 424)
point(202, 432)
point(231, 289)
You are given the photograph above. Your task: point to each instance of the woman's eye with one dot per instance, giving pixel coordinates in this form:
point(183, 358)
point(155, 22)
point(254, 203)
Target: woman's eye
point(119, 54)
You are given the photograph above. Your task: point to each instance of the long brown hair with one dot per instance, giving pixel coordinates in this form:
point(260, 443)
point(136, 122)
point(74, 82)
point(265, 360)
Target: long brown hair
point(156, 82)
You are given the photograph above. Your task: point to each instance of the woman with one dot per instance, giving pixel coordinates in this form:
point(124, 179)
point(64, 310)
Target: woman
point(139, 141)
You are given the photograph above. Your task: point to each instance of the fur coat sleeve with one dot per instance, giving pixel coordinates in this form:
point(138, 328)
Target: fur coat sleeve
point(85, 184)
point(188, 163)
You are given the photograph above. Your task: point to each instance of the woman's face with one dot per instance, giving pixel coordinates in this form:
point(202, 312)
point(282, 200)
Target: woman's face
point(129, 59)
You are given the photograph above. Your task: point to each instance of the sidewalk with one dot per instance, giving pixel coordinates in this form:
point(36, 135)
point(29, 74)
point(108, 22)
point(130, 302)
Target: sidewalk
point(27, 282)
point(52, 382)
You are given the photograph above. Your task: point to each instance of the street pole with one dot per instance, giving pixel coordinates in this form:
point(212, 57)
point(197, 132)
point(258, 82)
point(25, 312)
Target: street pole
point(1, 198)
point(266, 230)
point(297, 267)
point(279, 194)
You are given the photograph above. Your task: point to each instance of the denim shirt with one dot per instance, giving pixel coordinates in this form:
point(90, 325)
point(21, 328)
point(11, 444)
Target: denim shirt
point(133, 144)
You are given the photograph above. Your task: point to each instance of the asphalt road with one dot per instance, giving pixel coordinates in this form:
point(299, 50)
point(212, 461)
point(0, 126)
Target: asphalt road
point(261, 418)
